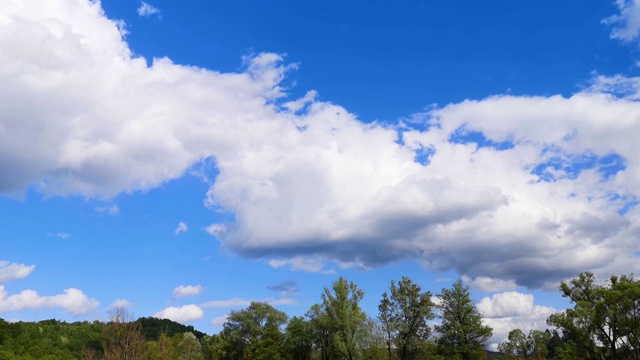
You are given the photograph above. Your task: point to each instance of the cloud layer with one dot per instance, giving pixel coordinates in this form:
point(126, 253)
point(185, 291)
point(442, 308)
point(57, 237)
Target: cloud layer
point(500, 189)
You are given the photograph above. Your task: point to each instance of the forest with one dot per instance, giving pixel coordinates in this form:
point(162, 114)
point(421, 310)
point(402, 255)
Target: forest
point(604, 323)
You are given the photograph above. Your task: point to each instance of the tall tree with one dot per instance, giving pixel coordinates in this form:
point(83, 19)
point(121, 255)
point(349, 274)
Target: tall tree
point(605, 319)
point(346, 318)
point(461, 332)
point(254, 333)
point(404, 317)
point(122, 337)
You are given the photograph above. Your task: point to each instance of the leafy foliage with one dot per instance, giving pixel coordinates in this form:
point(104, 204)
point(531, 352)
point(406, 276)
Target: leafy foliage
point(462, 334)
point(254, 333)
point(605, 319)
point(345, 318)
point(404, 318)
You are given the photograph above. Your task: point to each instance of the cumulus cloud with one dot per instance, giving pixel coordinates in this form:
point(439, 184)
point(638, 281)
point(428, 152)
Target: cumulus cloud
point(73, 301)
point(120, 303)
point(186, 290)
point(183, 314)
point(510, 310)
point(146, 10)
point(14, 271)
point(240, 302)
point(501, 188)
point(182, 227)
point(285, 288)
point(626, 24)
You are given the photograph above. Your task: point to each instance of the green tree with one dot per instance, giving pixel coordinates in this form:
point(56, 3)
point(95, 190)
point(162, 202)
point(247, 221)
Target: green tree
point(521, 346)
point(189, 348)
point(346, 318)
point(516, 346)
point(254, 333)
point(404, 318)
point(373, 342)
point(461, 332)
point(298, 339)
point(321, 332)
point(605, 319)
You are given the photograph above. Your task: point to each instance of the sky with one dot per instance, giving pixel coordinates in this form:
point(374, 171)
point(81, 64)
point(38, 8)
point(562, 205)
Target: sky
point(182, 159)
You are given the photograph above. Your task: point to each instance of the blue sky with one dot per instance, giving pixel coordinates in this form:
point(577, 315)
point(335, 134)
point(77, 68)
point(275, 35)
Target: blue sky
point(184, 158)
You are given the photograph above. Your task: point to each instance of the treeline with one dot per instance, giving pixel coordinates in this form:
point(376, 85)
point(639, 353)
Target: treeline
point(603, 324)
point(56, 340)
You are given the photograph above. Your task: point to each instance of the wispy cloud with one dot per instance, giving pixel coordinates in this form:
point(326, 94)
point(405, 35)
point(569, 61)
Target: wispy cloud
point(286, 288)
point(121, 303)
point(182, 227)
point(220, 320)
point(61, 235)
point(305, 263)
point(626, 24)
point(146, 10)
point(112, 209)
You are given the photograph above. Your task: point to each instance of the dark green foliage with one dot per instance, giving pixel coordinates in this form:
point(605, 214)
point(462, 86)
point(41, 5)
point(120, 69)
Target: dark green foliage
point(59, 340)
point(153, 327)
point(404, 318)
point(345, 319)
point(298, 339)
point(461, 333)
point(605, 320)
point(254, 333)
point(48, 339)
point(521, 346)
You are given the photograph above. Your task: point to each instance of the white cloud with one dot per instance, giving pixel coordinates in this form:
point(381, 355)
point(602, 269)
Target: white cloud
point(183, 314)
point(121, 303)
point(14, 271)
point(626, 25)
point(146, 10)
point(61, 235)
point(487, 284)
point(220, 320)
point(186, 290)
point(109, 209)
point(182, 227)
point(72, 300)
point(308, 183)
point(510, 310)
point(304, 263)
point(240, 302)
